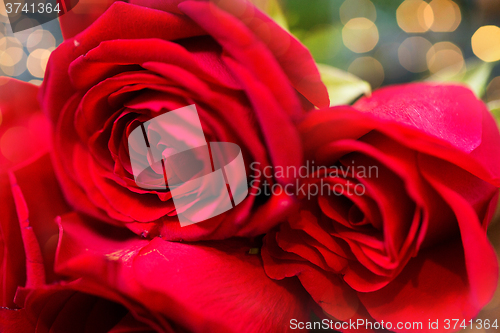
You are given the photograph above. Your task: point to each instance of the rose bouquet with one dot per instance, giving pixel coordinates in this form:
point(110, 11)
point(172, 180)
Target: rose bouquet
point(364, 218)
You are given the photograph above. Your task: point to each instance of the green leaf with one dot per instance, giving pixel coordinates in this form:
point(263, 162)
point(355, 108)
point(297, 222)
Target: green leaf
point(475, 76)
point(323, 42)
point(343, 87)
point(273, 9)
point(494, 107)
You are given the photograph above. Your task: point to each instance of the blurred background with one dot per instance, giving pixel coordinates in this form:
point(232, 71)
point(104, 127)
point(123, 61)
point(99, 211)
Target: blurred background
point(387, 41)
point(381, 41)
point(24, 55)
point(400, 40)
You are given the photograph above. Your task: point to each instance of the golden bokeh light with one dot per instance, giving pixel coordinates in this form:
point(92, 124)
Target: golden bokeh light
point(412, 54)
point(360, 35)
point(368, 69)
point(357, 8)
point(40, 39)
point(7, 42)
point(447, 16)
point(11, 56)
point(37, 62)
point(414, 16)
point(6, 59)
point(486, 43)
point(445, 55)
point(9, 64)
point(36, 82)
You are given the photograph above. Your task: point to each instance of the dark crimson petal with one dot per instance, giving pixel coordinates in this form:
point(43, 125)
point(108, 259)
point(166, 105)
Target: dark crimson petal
point(432, 286)
point(29, 258)
point(268, 114)
point(204, 286)
point(458, 277)
point(480, 257)
point(326, 288)
point(241, 45)
point(316, 129)
point(57, 88)
point(15, 321)
point(75, 21)
point(294, 58)
point(88, 11)
point(451, 113)
point(65, 146)
point(13, 260)
point(484, 161)
point(63, 307)
point(36, 213)
point(130, 325)
point(112, 55)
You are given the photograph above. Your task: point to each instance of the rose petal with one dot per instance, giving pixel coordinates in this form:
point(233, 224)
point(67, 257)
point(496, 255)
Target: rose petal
point(294, 58)
point(326, 288)
point(57, 88)
point(433, 286)
point(240, 43)
point(480, 257)
point(75, 21)
point(451, 113)
point(13, 261)
point(215, 285)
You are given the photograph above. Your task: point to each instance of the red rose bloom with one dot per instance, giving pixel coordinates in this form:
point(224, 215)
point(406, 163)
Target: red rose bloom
point(61, 271)
point(65, 272)
point(250, 80)
point(412, 246)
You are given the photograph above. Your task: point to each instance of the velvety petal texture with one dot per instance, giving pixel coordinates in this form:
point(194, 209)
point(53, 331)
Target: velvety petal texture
point(211, 286)
point(410, 244)
point(222, 56)
point(66, 272)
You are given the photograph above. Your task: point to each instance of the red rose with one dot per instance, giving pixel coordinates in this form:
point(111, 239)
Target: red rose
point(107, 279)
point(410, 245)
point(249, 79)
point(32, 296)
